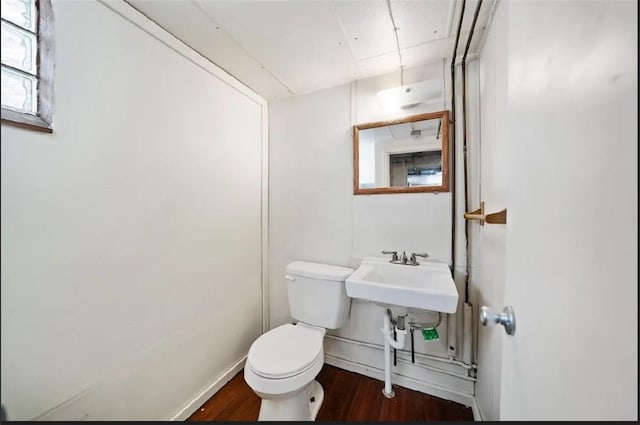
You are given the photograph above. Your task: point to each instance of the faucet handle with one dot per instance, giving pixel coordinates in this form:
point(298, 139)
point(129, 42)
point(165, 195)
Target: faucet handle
point(394, 255)
point(413, 260)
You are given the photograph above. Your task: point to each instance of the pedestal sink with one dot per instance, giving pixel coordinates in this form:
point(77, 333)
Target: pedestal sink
point(428, 286)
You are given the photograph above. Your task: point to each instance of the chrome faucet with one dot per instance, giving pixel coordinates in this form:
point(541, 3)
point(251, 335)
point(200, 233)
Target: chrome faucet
point(404, 258)
point(394, 256)
point(413, 261)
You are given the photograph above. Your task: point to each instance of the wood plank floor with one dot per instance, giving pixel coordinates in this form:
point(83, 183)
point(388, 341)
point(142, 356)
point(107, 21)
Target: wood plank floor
point(348, 396)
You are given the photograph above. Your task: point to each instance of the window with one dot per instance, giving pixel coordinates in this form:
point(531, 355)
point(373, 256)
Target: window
point(27, 63)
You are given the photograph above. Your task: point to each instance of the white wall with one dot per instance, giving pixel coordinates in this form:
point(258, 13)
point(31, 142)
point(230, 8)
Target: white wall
point(314, 216)
point(310, 186)
point(131, 236)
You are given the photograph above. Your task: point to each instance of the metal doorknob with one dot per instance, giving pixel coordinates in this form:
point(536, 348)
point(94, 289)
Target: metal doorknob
point(506, 319)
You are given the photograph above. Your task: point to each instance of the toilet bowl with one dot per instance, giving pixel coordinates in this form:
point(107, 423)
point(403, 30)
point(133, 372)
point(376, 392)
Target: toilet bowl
point(281, 367)
point(282, 363)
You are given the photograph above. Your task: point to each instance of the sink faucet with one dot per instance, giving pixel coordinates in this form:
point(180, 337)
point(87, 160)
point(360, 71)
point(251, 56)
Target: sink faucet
point(404, 258)
point(394, 256)
point(413, 261)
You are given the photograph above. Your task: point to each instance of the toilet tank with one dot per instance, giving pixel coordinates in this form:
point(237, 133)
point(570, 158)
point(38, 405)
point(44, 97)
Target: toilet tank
point(317, 293)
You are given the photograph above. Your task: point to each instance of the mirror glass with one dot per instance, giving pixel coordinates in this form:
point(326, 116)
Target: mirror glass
point(408, 155)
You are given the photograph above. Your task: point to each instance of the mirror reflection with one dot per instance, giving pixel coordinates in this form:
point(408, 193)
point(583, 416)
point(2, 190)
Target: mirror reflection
point(402, 156)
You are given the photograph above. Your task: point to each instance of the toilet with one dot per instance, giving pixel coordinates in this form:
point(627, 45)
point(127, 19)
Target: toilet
point(282, 363)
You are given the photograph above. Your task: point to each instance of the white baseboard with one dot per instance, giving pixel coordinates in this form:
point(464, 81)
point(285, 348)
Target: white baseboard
point(205, 395)
point(402, 380)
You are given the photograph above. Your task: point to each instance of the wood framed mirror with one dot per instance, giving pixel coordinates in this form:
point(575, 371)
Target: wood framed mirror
point(402, 156)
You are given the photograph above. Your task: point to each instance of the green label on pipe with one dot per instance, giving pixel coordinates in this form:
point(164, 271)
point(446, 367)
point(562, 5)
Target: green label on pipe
point(430, 334)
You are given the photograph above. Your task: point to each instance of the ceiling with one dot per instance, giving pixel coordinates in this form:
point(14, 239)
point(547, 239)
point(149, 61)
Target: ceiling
point(286, 47)
point(401, 131)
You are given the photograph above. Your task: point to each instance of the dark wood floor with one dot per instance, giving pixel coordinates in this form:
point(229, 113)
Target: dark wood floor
point(348, 396)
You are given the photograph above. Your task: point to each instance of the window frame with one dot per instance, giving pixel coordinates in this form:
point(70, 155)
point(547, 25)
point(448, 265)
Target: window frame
point(42, 120)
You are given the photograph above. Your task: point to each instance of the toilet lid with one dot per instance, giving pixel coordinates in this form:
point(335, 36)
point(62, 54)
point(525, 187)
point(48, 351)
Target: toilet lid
point(285, 351)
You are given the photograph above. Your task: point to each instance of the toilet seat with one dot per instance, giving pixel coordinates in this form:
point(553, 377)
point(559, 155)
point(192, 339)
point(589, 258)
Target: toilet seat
point(286, 351)
point(282, 365)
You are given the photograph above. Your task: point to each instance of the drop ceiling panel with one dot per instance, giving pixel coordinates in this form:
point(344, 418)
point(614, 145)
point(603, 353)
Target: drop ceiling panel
point(377, 134)
point(186, 21)
point(428, 126)
point(367, 26)
point(420, 21)
point(284, 47)
point(425, 52)
point(300, 42)
point(381, 64)
point(411, 57)
point(403, 131)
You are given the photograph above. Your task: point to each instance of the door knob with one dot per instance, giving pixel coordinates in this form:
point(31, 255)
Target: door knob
point(506, 319)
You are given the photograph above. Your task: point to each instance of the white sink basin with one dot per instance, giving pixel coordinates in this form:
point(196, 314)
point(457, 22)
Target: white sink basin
point(428, 286)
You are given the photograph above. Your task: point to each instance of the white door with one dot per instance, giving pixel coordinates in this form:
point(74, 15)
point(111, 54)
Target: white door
point(571, 234)
point(488, 242)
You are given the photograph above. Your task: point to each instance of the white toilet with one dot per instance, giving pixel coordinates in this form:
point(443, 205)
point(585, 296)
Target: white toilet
point(282, 364)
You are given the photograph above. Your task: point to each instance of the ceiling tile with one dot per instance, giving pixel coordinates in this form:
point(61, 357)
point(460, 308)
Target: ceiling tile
point(367, 26)
point(381, 64)
point(411, 57)
point(420, 21)
point(301, 42)
point(284, 47)
point(187, 22)
point(377, 134)
point(427, 52)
